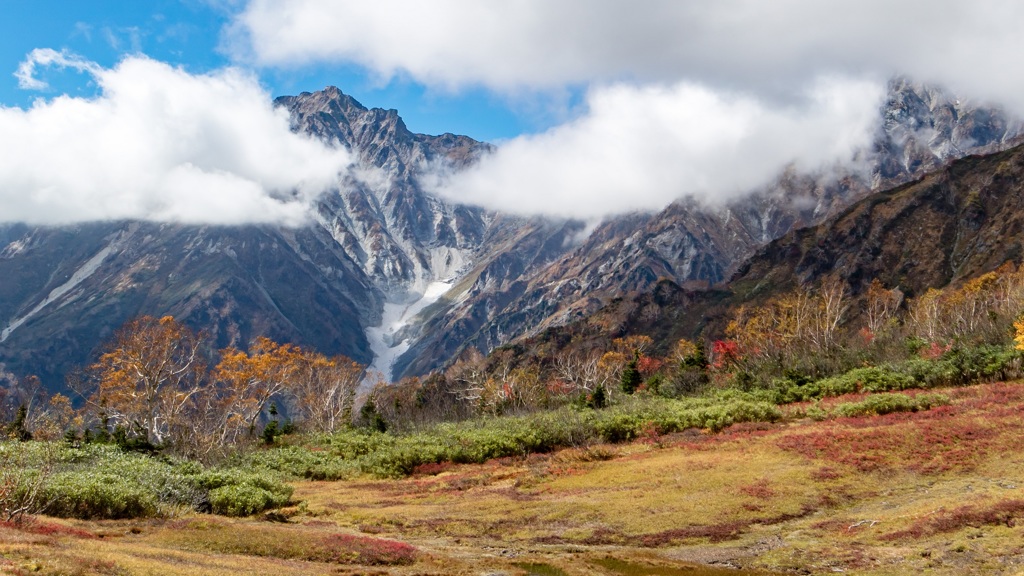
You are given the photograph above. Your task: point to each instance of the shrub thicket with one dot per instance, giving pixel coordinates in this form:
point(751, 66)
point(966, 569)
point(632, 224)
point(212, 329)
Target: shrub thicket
point(881, 404)
point(102, 481)
point(351, 452)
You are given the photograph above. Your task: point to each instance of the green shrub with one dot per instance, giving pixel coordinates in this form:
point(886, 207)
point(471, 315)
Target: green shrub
point(102, 481)
point(880, 404)
point(981, 363)
point(298, 462)
point(88, 494)
point(245, 499)
point(872, 379)
point(816, 413)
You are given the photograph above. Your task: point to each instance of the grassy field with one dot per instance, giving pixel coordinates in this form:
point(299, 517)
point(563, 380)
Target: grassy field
point(939, 490)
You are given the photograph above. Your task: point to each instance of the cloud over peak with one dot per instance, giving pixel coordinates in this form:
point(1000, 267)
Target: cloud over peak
point(709, 99)
point(640, 148)
point(751, 45)
point(158, 143)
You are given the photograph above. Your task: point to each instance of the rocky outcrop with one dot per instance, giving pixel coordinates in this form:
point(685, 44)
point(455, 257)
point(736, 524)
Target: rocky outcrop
point(921, 128)
point(380, 241)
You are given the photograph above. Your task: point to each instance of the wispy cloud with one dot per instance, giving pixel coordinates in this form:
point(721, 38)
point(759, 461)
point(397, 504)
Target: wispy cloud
point(770, 49)
point(701, 98)
point(48, 57)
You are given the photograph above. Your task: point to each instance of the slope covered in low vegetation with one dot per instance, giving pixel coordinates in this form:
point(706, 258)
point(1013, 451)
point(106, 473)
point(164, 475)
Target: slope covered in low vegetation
point(865, 483)
point(841, 424)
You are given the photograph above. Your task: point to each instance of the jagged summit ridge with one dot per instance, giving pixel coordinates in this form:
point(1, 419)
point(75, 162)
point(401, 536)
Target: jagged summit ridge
point(920, 128)
point(357, 281)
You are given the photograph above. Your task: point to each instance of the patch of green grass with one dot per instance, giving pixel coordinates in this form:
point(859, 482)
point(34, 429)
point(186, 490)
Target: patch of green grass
point(534, 569)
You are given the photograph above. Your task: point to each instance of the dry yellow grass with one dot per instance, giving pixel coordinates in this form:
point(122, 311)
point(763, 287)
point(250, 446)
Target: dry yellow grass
point(939, 492)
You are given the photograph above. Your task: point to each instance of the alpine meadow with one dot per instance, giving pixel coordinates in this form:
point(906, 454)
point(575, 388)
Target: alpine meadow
point(540, 288)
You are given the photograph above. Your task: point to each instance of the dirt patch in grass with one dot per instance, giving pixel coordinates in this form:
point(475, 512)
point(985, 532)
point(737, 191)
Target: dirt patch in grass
point(633, 568)
point(538, 569)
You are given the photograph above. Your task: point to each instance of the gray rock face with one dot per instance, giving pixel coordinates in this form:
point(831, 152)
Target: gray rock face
point(378, 242)
point(64, 290)
point(921, 128)
point(925, 127)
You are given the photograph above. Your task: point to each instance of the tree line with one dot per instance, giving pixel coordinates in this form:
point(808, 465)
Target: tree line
point(808, 333)
point(154, 387)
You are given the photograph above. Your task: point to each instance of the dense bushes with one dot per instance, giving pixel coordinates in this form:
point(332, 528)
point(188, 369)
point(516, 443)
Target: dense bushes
point(101, 481)
point(367, 451)
point(360, 451)
point(956, 367)
point(881, 404)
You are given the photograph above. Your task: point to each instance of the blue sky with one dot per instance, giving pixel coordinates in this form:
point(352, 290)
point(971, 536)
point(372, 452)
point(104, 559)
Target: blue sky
point(188, 33)
point(161, 109)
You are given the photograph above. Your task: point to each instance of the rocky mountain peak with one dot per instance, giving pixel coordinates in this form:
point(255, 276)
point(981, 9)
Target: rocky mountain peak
point(925, 126)
point(391, 275)
point(377, 136)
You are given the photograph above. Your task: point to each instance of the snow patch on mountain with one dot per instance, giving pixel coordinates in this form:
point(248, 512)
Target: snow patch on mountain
point(397, 315)
point(84, 271)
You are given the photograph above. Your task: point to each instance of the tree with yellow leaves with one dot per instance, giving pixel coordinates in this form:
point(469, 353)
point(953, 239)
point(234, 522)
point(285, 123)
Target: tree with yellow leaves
point(249, 381)
point(1018, 338)
point(880, 307)
point(148, 378)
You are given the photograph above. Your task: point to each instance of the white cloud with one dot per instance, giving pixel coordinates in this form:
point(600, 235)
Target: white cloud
point(48, 57)
point(158, 143)
point(755, 46)
point(643, 147)
point(684, 97)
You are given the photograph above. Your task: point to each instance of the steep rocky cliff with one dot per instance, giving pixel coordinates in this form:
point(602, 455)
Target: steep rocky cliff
point(954, 224)
point(387, 274)
point(921, 128)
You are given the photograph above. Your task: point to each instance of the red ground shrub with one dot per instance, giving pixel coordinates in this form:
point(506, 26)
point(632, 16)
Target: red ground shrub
point(1005, 513)
point(368, 551)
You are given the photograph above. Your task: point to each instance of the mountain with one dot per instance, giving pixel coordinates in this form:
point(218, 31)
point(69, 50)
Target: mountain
point(921, 128)
point(947, 227)
point(388, 274)
point(951, 225)
point(375, 244)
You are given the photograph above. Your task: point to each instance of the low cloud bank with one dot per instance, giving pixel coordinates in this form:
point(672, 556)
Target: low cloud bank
point(640, 148)
point(158, 143)
point(708, 99)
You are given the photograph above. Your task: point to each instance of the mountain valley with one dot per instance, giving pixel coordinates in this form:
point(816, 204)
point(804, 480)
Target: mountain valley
point(379, 247)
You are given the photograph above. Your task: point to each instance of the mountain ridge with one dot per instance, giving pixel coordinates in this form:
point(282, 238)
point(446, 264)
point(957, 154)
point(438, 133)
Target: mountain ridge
point(940, 230)
point(378, 242)
point(921, 128)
